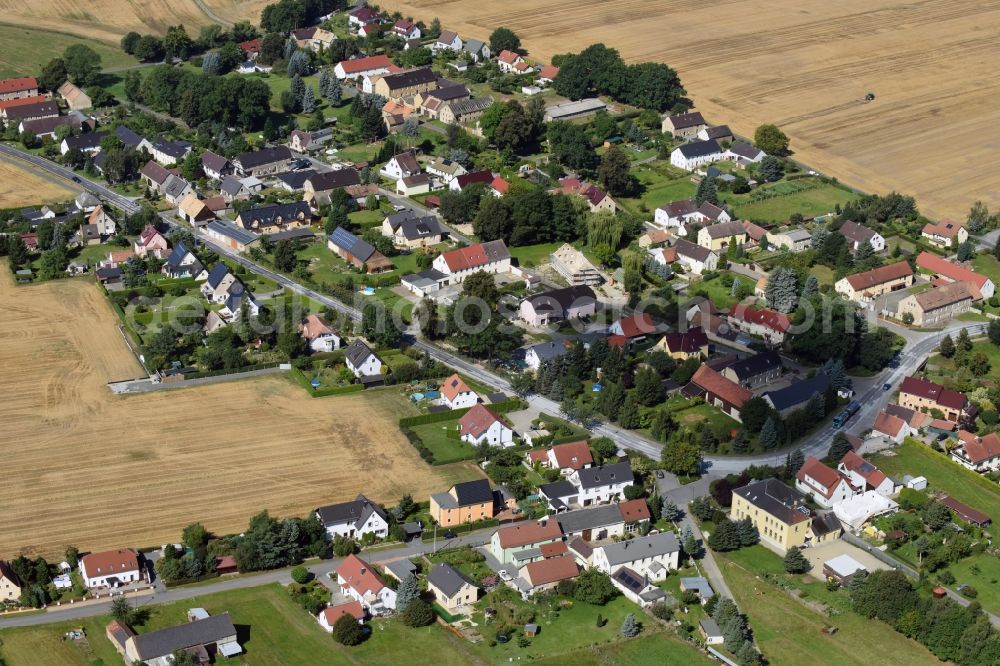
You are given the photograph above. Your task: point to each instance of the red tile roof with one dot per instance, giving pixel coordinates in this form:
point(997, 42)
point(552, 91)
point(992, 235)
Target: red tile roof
point(617, 341)
point(359, 576)
point(551, 570)
point(869, 472)
point(477, 420)
point(945, 228)
point(827, 477)
point(540, 455)
point(572, 455)
point(508, 57)
point(453, 386)
point(549, 72)
point(637, 325)
point(365, 64)
point(980, 449)
point(776, 321)
point(110, 562)
point(500, 185)
point(714, 383)
point(954, 272)
point(334, 613)
point(250, 46)
point(880, 275)
point(887, 424)
point(314, 326)
point(634, 510)
point(474, 256)
point(965, 512)
point(923, 388)
point(554, 549)
point(21, 101)
point(17, 85)
point(528, 532)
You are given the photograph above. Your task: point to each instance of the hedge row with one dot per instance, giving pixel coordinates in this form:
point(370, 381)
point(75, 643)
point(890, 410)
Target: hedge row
point(303, 381)
point(426, 454)
point(437, 417)
point(464, 528)
point(230, 371)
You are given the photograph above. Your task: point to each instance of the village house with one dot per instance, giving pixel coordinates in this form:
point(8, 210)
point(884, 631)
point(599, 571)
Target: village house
point(780, 514)
point(690, 156)
point(450, 587)
point(361, 360)
point(150, 241)
point(767, 324)
point(230, 235)
point(362, 16)
point(865, 476)
point(214, 166)
point(793, 240)
point(232, 309)
point(652, 557)
point(945, 233)
point(154, 176)
point(405, 83)
point(88, 143)
point(456, 394)
point(825, 485)
point(103, 223)
point(743, 154)
point(717, 237)
point(361, 67)
point(558, 305)
point(220, 284)
point(264, 162)
point(110, 568)
point(755, 370)
point(166, 151)
point(358, 581)
point(182, 263)
point(537, 354)
point(329, 615)
point(19, 111)
point(18, 88)
point(718, 391)
point(720, 133)
point(547, 74)
point(678, 214)
point(980, 454)
point(235, 189)
point(499, 187)
point(865, 287)
point(923, 395)
point(891, 427)
point(798, 394)
point(567, 458)
point(466, 502)
point(175, 189)
point(75, 99)
point(481, 425)
point(10, 587)
point(603, 484)
point(202, 636)
point(594, 524)
point(692, 343)
point(409, 186)
point(695, 258)
point(401, 165)
point(476, 50)
point(405, 29)
point(358, 253)
point(313, 38)
point(546, 574)
point(447, 41)
point(319, 334)
point(510, 62)
point(684, 125)
point(574, 266)
point(193, 210)
point(464, 111)
point(309, 142)
point(431, 103)
point(858, 234)
point(654, 238)
point(445, 170)
point(519, 543)
point(459, 183)
point(318, 187)
point(634, 328)
point(354, 519)
point(490, 257)
point(937, 306)
point(981, 286)
point(275, 218)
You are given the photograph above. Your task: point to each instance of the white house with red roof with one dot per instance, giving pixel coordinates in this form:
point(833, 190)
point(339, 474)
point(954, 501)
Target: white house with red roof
point(363, 16)
point(983, 287)
point(511, 62)
point(329, 615)
point(405, 29)
point(764, 323)
point(980, 454)
point(547, 74)
point(490, 257)
point(499, 187)
point(456, 394)
point(110, 568)
point(890, 426)
point(359, 67)
point(150, 241)
point(634, 327)
point(360, 582)
point(945, 233)
point(569, 457)
point(865, 476)
point(481, 425)
point(825, 485)
point(319, 334)
point(716, 390)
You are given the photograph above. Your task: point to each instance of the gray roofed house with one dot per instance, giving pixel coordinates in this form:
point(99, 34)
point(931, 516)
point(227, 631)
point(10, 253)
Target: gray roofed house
point(595, 477)
point(459, 109)
point(332, 180)
point(266, 160)
point(448, 579)
point(778, 499)
point(652, 545)
point(473, 492)
point(685, 120)
point(175, 188)
point(558, 493)
point(216, 630)
point(698, 584)
point(89, 142)
point(636, 587)
point(424, 282)
point(214, 166)
point(754, 370)
point(449, 93)
point(275, 216)
point(232, 187)
point(699, 148)
point(129, 138)
point(477, 49)
point(691, 250)
point(400, 569)
point(175, 150)
point(744, 152)
point(576, 522)
point(546, 351)
point(725, 229)
point(229, 231)
point(414, 228)
point(294, 180)
point(182, 263)
point(355, 518)
point(357, 352)
point(409, 78)
point(798, 394)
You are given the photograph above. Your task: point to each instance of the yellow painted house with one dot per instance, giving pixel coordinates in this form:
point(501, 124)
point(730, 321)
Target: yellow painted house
point(10, 589)
point(781, 515)
point(467, 502)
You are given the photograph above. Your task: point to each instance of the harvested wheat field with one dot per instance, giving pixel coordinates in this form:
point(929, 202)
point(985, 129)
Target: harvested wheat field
point(21, 185)
point(805, 66)
point(84, 467)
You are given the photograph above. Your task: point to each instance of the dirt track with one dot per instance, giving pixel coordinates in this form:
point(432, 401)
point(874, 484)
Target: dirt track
point(84, 467)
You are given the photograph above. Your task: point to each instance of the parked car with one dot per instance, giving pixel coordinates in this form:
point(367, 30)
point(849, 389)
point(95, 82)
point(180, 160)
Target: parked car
point(505, 575)
point(886, 386)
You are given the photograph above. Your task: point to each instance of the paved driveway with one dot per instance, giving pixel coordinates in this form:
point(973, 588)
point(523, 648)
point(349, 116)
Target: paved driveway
point(817, 555)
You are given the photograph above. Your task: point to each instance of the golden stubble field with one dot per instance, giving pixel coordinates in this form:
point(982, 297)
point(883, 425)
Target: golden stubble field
point(931, 132)
point(84, 467)
point(20, 185)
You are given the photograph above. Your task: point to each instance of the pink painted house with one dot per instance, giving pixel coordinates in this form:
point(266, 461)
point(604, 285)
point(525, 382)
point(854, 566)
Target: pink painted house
point(151, 241)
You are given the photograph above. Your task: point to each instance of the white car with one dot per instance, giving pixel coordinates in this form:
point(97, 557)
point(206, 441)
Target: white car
point(505, 576)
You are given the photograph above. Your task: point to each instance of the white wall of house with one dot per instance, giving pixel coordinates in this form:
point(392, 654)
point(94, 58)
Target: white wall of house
point(368, 599)
point(370, 366)
point(102, 580)
point(496, 435)
point(669, 562)
point(325, 343)
point(374, 525)
point(462, 400)
point(599, 494)
point(842, 492)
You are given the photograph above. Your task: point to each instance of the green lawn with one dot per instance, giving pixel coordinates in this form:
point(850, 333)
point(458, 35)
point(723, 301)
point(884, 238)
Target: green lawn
point(823, 273)
point(442, 439)
point(532, 255)
point(983, 573)
point(942, 474)
point(656, 650)
point(26, 51)
point(703, 412)
point(661, 184)
point(717, 291)
point(943, 369)
point(988, 265)
point(809, 202)
point(789, 632)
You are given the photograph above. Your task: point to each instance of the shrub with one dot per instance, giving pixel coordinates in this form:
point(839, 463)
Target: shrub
point(595, 587)
point(301, 575)
point(347, 631)
point(970, 592)
point(418, 613)
point(662, 611)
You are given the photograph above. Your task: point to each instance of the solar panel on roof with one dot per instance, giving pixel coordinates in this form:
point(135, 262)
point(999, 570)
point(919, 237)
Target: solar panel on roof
point(629, 580)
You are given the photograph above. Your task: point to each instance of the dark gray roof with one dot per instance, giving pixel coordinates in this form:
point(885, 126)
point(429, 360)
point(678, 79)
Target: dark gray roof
point(548, 350)
point(348, 242)
point(177, 255)
point(213, 161)
point(415, 227)
point(473, 492)
point(798, 393)
point(33, 110)
point(424, 278)
point(653, 545)
point(410, 77)
point(700, 148)
point(825, 523)
point(719, 132)
point(454, 91)
point(683, 120)
point(87, 141)
point(595, 477)
point(174, 149)
point(332, 180)
point(292, 234)
point(556, 489)
point(230, 230)
point(401, 568)
point(463, 106)
point(231, 186)
point(448, 579)
point(357, 352)
point(757, 364)
point(175, 186)
point(745, 150)
point(296, 179)
point(219, 271)
point(269, 215)
point(356, 511)
point(200, 632)
point(560, 300)
point(256, 158)
point(692, 250)
point(588, 519)
point(776, 498)
point(127, 136)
